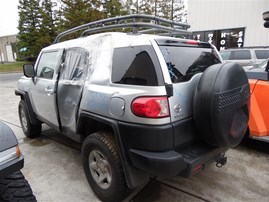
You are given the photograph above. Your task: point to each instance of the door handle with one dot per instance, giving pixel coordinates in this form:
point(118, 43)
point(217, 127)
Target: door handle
point(49, 91)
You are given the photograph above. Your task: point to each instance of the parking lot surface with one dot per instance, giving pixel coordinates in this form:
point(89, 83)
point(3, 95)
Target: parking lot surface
point(54, 170)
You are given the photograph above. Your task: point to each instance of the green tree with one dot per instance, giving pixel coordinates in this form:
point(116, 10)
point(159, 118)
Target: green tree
point(78, 12)
point(131, 6)
point(29, 26)
point(37, 26)
point(177, 10)
point(170, 9)
point(163, 8)
point(112, 8)
point(155, 4)
point(49, 21)
point(145, 7)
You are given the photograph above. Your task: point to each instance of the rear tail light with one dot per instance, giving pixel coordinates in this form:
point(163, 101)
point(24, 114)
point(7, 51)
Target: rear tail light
point(18, 150)
point(192, 42)
point(9, 155)
point(151, 107)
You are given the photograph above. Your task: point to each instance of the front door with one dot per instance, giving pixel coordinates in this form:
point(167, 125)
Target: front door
point(44, 87)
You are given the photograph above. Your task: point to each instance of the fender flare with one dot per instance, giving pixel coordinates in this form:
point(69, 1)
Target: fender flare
point(24, 96)
point(133, 176)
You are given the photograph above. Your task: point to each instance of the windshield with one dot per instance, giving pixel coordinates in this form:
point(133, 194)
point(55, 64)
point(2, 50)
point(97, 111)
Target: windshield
point(184, 62)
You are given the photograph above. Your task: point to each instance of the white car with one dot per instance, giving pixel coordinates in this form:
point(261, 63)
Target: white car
point(261, 66)
point(245, 56)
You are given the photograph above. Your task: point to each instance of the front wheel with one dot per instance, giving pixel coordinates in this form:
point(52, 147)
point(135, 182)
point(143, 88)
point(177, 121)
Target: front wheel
point(103, 168)
point(29, 129)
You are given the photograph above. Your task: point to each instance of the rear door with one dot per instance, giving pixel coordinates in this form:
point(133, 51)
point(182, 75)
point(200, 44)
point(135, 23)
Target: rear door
point(184, 60)
point(70, 87)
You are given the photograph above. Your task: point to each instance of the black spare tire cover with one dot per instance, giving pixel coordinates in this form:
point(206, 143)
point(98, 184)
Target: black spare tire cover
point(221, 105)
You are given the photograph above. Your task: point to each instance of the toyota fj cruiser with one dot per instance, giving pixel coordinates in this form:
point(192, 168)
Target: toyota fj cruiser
point(142, 104)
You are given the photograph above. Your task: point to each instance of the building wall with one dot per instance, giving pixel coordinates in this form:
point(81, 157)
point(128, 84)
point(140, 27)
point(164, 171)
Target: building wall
point(6, 52)
point(206, 15)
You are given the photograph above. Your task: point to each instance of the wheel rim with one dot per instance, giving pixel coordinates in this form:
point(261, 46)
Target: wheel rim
point(100, 169)
point(23, 120)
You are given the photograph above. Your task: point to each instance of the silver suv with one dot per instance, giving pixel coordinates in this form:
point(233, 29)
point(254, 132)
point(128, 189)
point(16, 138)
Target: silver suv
point(245, 56)
point(142, 105)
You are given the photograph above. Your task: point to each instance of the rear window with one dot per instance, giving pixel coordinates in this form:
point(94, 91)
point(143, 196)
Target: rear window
point(240, 55)
point(262, 54)
point(184, 62)
point(136, 66)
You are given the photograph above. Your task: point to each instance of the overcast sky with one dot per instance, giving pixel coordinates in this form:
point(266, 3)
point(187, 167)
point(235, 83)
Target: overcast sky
point(8, 17)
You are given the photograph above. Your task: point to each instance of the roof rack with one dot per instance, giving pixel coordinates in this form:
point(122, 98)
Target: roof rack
point(139, 23)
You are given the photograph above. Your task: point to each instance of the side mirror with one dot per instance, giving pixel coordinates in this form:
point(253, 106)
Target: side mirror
point(28, 70)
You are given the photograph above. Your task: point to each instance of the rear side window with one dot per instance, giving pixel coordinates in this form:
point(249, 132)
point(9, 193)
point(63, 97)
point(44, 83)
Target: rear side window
point(240, 55)
point(135, 66)
point(184, 62)
point(75, 65)
point(262, 54)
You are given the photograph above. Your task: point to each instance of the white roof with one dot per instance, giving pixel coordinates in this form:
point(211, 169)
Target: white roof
point(107, 40)
point(111, 39)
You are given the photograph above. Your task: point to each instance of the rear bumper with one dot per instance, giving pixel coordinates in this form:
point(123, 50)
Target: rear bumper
point(157, 138)
point(160, 151)
point(184, 162)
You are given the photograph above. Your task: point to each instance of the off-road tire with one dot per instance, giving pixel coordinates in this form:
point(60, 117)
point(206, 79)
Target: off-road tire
point(104, 143)
point(15, 188)
point(29, 129)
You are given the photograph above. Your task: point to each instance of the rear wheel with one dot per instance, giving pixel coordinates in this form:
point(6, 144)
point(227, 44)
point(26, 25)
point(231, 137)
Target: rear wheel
point(29, 129)
point(103, 167)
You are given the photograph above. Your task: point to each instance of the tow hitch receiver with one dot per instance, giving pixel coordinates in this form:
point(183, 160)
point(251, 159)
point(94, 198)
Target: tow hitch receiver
point(222, 160)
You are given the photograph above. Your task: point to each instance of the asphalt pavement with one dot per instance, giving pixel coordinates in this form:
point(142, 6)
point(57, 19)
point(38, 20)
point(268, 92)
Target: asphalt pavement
point(54, 170)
